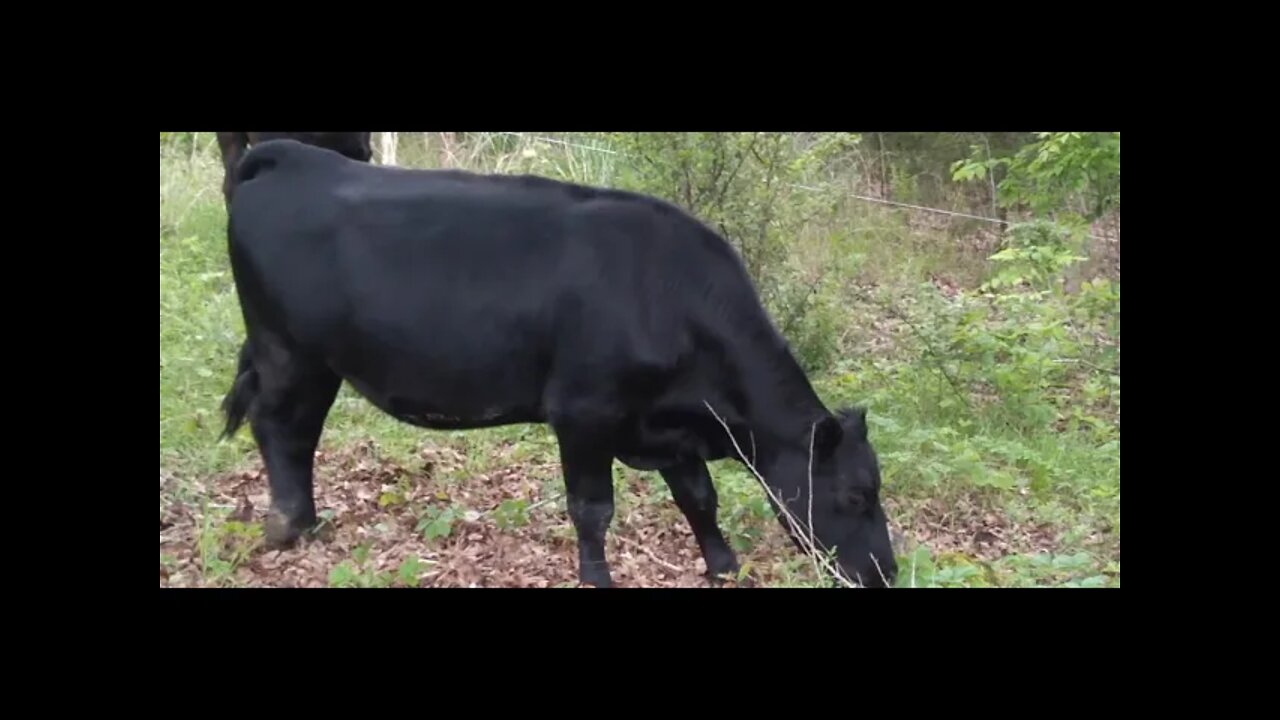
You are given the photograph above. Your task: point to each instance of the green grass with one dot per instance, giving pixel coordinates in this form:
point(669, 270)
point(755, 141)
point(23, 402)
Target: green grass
point(939, 448)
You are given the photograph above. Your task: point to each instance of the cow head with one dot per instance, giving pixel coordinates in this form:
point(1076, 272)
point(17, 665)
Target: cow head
point(355, 145)
point(846, 510)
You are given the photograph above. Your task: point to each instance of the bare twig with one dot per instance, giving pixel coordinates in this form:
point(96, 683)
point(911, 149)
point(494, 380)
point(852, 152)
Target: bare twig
point(544, 501)
point(1086, 363)
point(528, 508)
point(173, 533)
point(782, 508)
point(876, 562)
point(653, 557)
point(813, 431)
point(798, 311)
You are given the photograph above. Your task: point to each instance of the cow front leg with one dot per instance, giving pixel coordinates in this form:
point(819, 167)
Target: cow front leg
point(695, 495)
point(588, 480)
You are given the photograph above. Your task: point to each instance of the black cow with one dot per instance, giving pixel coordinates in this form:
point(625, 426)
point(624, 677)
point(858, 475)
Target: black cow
point(452, 301)
point(355, 145)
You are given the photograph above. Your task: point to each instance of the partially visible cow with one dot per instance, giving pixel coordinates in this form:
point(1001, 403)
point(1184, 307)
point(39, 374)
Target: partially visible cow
point(357, 146)
point(452, 301)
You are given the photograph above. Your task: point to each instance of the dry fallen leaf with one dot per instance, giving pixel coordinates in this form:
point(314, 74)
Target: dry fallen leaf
point(649, 545)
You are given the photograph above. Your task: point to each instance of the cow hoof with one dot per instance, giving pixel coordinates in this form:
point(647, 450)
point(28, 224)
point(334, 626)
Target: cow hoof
point(722, 564)
point(730, 576)
point(596, 576)
point(720, 579)
point(279, 532)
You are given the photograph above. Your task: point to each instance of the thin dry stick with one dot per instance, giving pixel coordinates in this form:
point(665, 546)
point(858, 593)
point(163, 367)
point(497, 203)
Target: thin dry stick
point(883, 579)
point(813, 431)
point(451, 158)
point(655, 558)
point(544, 501)
point(782, 508)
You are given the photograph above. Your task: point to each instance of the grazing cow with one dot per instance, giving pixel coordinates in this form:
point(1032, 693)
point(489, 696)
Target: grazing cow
point(233, 145)
point(451, 300)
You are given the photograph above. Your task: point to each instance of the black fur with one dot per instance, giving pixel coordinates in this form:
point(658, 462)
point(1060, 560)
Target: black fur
point(236, 404)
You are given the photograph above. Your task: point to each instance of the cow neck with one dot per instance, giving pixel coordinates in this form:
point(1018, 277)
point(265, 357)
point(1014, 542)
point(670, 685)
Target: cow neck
point(782, 405)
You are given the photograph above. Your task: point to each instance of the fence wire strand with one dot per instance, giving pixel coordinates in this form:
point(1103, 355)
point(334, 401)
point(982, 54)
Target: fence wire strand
point(865, 198)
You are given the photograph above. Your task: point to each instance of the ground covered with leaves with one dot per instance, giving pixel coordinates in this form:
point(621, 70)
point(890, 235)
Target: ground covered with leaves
point(428, 524)
point(385, 524)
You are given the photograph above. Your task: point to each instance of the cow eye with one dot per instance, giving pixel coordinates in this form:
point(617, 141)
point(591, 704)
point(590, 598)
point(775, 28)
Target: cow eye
point(850, 501)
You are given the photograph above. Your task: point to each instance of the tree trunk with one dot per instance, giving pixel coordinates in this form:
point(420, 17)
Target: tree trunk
point(389, 148)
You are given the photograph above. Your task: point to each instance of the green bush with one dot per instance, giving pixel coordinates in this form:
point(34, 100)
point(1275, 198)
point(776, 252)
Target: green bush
point(760, 191)
point(1054, 173)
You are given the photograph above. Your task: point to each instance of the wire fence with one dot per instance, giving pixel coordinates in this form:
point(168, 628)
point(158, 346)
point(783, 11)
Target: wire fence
point(856, 196)
point(388, 144)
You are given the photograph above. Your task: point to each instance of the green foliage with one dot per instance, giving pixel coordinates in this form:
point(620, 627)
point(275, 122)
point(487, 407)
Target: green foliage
point(1054, 172)
point(397, 495)
point(1077, 570)
point(512, 514)
point(741, 184)
point(744, 185)
point(357, 572)
point(184, 142)
point(1037, 254)
point(913, 166)
point(744, 507)
point(225, 546)
point(437, 522)
point(409, 570)
point(1006, 395)
point(1018, 351)
point(920, 569)
point(809, 315)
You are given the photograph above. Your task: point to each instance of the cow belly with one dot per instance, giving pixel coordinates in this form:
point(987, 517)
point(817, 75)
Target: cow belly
point(447, 409)
point(450, 396)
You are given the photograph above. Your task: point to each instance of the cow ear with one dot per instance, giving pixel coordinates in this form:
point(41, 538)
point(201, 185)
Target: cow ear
point(854, 421)
point(827, 436)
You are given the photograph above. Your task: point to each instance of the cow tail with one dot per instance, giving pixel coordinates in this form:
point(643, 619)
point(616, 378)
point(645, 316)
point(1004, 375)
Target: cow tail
point(238, 401)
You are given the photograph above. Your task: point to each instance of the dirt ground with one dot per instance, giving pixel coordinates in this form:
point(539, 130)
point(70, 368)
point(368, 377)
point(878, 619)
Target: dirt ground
point(375, 511)
point(384, 524)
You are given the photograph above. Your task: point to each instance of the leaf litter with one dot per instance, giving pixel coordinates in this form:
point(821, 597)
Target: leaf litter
point(383, 524)
point(383, 510)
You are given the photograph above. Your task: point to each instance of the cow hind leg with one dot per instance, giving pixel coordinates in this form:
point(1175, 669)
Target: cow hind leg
point(293, 398)
point(695, 495)
point(589, 484)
